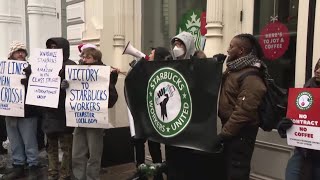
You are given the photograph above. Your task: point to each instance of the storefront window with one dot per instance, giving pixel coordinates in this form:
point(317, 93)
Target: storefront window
point(275, 26)
point(163, 19)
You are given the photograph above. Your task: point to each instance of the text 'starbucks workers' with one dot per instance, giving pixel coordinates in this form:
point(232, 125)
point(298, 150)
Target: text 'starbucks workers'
point(169, 102)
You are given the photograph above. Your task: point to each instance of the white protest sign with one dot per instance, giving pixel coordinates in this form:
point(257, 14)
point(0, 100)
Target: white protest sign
point(44, 82)
point(12, 92)
point(87, 96)
point(304, 136)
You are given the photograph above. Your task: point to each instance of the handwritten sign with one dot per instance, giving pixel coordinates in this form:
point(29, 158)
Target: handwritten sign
point(303, 110)
point(44, 82)
point(274, 40)
point(12, 92)
point(87, 96)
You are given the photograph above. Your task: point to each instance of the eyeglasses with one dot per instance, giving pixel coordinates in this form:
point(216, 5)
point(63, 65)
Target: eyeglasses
point(86, 57)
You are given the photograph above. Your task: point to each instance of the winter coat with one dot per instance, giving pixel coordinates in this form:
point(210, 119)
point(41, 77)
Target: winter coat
point(54, 119)
point(238, 103)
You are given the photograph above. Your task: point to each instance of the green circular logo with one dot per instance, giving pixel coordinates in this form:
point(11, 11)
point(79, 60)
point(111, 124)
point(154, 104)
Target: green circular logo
point(304, 100)
point(169, 102)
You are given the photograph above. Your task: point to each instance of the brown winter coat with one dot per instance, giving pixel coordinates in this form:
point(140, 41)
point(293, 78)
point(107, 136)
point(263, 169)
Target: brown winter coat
point(238, 103)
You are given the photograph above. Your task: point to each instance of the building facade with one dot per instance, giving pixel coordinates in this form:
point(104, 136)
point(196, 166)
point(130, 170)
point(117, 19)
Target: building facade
point(110, 24)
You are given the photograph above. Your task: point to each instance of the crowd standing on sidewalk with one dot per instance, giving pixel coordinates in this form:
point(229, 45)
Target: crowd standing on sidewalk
point(82, 147)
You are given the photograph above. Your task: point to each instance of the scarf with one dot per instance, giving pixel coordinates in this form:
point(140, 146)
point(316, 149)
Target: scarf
point(249, 60)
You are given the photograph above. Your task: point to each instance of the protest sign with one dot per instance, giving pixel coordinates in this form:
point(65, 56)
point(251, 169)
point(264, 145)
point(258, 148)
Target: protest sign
point(87, 96)
point(303, 110)
point(44, 82)
point(12, 92)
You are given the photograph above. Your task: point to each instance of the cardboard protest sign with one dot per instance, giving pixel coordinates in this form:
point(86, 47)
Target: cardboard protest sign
point(12, 92)
point(303, 110)
point(44, 82)
point(87, 96)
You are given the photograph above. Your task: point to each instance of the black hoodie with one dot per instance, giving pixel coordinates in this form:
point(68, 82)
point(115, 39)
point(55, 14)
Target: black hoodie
point(54, 120)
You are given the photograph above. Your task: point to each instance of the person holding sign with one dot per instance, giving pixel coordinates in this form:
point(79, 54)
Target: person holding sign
point(22, 131)
point(305, 163)
point(54, 122)
point(89, 141)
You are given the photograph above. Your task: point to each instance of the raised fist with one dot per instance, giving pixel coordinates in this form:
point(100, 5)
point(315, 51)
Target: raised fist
point(163, 99)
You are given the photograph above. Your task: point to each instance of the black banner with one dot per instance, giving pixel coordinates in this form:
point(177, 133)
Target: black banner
point(175, 102)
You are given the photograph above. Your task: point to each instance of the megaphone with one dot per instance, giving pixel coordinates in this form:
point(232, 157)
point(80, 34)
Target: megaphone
point(129, 49)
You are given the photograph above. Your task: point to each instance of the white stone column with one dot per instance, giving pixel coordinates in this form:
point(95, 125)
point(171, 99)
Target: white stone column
point(4, 22)
point(43, 22)
point(214, 27)
point(118, 37)
point(12, 24)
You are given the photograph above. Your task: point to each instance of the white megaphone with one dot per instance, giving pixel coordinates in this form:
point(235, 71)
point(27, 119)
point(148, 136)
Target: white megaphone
point(129, 49)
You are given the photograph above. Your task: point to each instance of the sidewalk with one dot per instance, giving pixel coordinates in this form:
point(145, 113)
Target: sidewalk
point(120, 172)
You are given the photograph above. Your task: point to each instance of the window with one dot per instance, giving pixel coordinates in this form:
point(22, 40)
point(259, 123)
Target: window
point(275, 25)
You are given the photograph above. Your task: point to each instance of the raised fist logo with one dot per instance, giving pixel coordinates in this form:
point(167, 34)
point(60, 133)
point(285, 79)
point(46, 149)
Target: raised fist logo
point(162, 99)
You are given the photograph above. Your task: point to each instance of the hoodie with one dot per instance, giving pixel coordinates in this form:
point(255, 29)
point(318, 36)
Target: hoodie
point(54, 120)
point(188, 41)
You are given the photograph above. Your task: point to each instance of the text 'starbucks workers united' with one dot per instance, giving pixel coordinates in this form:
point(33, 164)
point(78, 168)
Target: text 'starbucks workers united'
point(169, 102)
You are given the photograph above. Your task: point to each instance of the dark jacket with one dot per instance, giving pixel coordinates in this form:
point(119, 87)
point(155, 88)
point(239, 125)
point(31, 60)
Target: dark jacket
point(238, 103)
point(54, 120)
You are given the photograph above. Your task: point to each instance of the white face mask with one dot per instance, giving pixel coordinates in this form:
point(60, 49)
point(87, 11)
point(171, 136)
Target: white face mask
point(178, 51)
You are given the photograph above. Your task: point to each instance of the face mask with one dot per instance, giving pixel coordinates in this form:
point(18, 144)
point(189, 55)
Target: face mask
point(177, 51)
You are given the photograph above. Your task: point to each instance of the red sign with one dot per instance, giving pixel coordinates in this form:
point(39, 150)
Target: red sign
point(274, 40)
point(304, 106)
point(203, 23)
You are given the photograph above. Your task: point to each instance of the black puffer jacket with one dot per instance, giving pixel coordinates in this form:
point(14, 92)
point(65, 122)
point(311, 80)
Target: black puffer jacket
point(54, 120)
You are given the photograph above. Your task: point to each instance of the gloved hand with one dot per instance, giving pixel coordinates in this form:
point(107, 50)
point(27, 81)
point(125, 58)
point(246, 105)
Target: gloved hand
point(283, 126)
point(27, 70)
point(219, 57)
point(220, 140)
point(132, 63)
point(62, 73)
point(24, 81)
point(64, 84)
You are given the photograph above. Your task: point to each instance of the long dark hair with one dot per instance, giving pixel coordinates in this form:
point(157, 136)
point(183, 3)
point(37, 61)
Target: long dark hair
point(251, 44)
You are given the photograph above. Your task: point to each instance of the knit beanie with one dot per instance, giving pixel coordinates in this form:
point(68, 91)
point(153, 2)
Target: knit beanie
point(16, 46)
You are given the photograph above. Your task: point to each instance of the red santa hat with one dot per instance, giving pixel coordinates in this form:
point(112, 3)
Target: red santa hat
point(81, 47)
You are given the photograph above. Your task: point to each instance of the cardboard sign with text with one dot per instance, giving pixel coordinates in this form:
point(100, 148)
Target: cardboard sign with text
point(303, 110)
point(44, 81)
point(87, 96)
point(12, 92)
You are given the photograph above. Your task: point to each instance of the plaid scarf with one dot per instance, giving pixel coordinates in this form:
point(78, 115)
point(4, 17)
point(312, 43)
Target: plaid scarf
point(247, 61)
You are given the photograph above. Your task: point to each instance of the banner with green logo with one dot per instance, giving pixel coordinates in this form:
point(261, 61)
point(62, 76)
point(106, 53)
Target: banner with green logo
point(175, 102)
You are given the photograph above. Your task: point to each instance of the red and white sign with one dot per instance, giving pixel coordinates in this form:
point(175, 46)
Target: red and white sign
point(274, 40)
point(303, 110)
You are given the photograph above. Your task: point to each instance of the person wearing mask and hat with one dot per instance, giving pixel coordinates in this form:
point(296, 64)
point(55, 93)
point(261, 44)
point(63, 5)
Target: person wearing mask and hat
point(182, 46)
point(22, 131)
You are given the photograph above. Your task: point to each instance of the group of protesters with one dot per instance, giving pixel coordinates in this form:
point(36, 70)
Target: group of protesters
point(81, 147)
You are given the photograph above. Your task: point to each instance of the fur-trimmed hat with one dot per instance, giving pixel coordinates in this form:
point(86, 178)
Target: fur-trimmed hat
point(16, 46)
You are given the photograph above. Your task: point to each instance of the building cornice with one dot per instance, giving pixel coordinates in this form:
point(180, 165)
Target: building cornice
point(10, 19)
point(41, 10)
